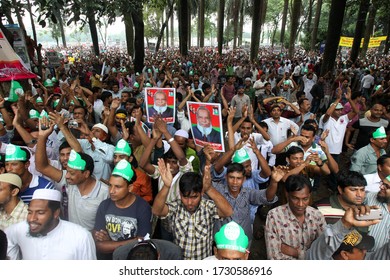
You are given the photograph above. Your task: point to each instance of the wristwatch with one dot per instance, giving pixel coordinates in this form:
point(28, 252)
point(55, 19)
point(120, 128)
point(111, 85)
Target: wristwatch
point(320, 165)
point(33, 141)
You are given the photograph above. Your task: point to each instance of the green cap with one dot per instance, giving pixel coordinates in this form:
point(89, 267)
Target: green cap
point(39, 100)
point(148, 85)
point(33, 114)
point(378, 87)
point(123, 148)
point(43, 114)
point(136, 85)
point(71, 102)
point(75, 161)
point(231, 236)
point(123, 169)
point(191, 72)
point(15, 91)
point(54, 80)
point(388, 178)
point(13, 152)
point(379, 133)
point(55, 103)
point(240, 156)
point(48, 83)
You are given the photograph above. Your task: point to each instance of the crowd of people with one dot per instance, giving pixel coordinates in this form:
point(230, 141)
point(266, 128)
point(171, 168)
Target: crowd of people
point(305, 173)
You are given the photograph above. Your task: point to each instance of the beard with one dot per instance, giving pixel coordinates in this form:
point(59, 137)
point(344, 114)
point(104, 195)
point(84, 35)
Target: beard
point(382, 199)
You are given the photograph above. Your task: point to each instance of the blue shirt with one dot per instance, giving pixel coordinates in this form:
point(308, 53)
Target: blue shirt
point(37, 182)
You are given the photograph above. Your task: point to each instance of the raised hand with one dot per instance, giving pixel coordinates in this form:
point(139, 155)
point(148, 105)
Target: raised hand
point(349, 219)
point(278, 173)
point(206, 178)
point(231, 113)
point(45, 127)
point(165, 172)
point(115, 103)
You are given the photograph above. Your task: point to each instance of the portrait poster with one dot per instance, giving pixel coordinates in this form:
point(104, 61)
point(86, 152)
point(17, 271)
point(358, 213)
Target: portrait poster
point(160, 101)
point(206, 124)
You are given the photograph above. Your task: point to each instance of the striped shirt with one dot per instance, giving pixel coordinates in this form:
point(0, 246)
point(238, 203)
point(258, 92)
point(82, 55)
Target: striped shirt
point(381, 231)
point(17, 215)
point(193, 232)
point(37, 182)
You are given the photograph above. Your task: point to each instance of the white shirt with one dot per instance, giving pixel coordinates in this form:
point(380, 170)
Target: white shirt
point(368, 81)
point(336, 134)
point(67, 241)
point(373, 182)
point(278, 131)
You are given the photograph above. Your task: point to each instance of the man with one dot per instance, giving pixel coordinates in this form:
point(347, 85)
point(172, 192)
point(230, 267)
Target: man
point(364, 160)
point(240, 101)
point(374, 180)
point(204, 130)
point(245, 196)
point(304, 109)
point(341, 241)
point(84, 191)
point(381, 199)
point(366, 125)
point(44, 236)
point(160, 106)
point(351, 192)
point(309, 80)
point(122, 217)
point(12, 208)
point(291, 228)
point(231, 243)
point(142, 185)
point(195, 238)
point(17, 161)
point(367, 82)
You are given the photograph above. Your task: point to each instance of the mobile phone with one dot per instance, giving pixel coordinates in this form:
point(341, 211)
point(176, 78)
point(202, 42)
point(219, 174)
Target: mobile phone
point(375, 214)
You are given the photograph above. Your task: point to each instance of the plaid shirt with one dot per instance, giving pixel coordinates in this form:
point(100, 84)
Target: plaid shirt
point(17, 215)
point(193, 232)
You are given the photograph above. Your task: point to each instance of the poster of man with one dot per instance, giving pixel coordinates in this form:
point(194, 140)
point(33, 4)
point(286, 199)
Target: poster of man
point(160, 101)
point(206, 124)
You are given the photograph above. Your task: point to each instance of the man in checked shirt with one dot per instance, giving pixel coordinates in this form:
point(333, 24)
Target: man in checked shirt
point(191, 218)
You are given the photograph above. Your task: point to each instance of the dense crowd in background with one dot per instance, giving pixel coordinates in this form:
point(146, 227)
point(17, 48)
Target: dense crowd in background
point(305, 152)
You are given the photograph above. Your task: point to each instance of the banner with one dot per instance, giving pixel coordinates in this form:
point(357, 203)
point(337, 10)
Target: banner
point(11, 68)
point(160, 101)
point(206, 124)
point(374, 41)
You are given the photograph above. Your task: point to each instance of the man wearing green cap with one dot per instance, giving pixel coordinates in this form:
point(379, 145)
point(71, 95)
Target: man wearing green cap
point(122, 217)
point(364, 160)
point(142, 185)
point(17, 161)
point(231, 243)
point(84, 191)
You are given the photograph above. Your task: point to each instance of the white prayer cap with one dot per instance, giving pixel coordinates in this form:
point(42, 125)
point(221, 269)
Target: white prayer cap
point(47, 194)
point(182, 133)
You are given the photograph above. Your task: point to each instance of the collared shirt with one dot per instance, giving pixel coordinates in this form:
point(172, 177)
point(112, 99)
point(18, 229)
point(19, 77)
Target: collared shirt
point(373, 182)
point(336, 134)
point(364, 160)
point(37, 182)
point(381, 231)
point(82, 209)
point(278, 131)
point(282, 227)
point(314, 148)
point(193, 232)
point(241, 204)
point(18, 214)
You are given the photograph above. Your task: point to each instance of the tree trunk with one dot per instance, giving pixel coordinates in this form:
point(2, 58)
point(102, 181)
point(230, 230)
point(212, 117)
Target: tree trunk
point(241, 24)
point(369, 29)
point(263, 12)
point(236, 11)
point(201, 22)
point(183, 27)
point(315, 26)
point(221, 14)
point(167, 27)
point(256, 29)
point(32, 21)
point(165, 24)
point(139, 44)
point(284, 20)
point(172, 29)
point(387, 43)
point(309, 17)
point(359, 29)
point(335, 22)
point(60, 23)
point(189, 32)
point(129, 31)
point(295, 15)
point(19, 17)
point(93, 30)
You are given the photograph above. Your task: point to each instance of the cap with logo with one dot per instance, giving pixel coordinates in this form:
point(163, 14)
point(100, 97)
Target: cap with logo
point(39, 100)
point(355, 239)
point(13, 152)
point(136, 85)
point(123, 169)
point(231, 236)
point(48, 83)
point(33, 114)
point(379, 133)
point(15, 91)
point(47, 194)
point(240, 156)
point(123, 148)
point(338, 106)
point(75, 161)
